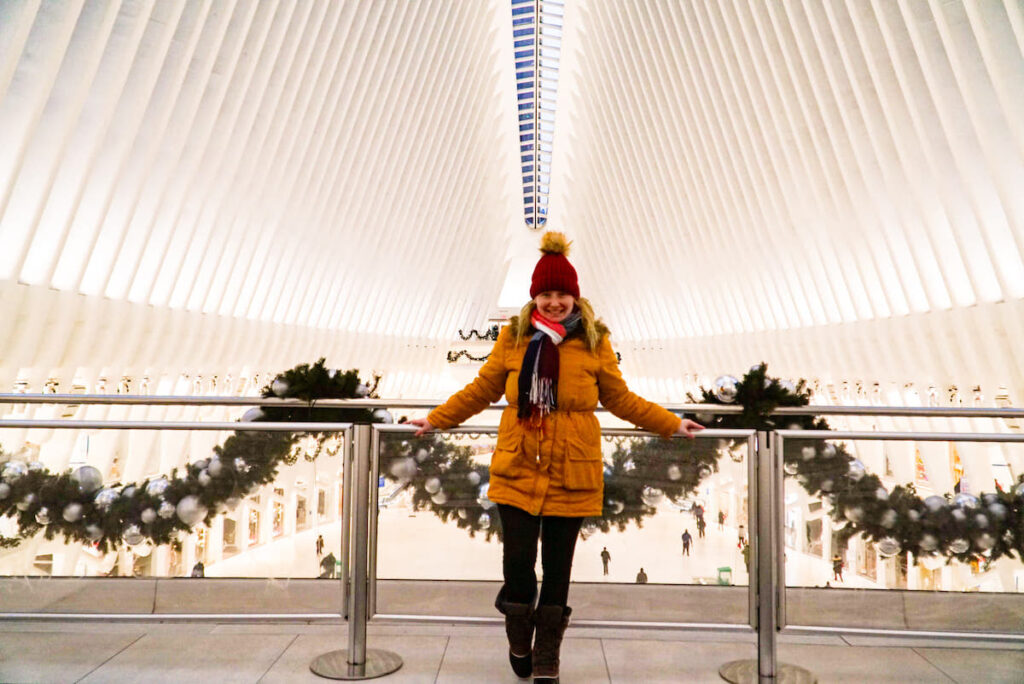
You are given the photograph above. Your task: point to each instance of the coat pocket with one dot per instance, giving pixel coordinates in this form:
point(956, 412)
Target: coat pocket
point(507, 458)
point(584, 469)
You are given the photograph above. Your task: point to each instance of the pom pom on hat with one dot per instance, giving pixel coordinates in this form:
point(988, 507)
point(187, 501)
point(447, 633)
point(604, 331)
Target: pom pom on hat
point(554, 243)
point(553, 270)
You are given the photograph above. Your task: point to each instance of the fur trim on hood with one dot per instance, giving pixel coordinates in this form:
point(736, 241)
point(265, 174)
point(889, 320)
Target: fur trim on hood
point(592, 331)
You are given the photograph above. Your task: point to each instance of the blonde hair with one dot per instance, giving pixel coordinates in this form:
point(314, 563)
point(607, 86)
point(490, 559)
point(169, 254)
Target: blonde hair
point(592, 328)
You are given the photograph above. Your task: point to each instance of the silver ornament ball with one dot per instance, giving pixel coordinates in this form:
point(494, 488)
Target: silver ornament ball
point(382, 415)
point(984, 541)
point(855, 471)
point(432, 485)
point(928, 543)
point(888, 519)
point(279, 387)
point(88, 478)
point(934, 503)
point(422, 455)
point(652, 496)
point(404, 468)
point(965, 501)
point(439, 498)
point(215, 468)
point(132, 535)
point(997, 510)
point(157, 487)
point(485, 520)
point(36, 466)
point(808, 453)
point(959, 545)
point(726, 388)
point(888, 547)
point(253, 415)
point(148, 516)
point(166, 510)
point(191, 510)
point(474, 478)
point(12, 471)
point(674, 473)
point(72, 512)
point(93, 532)
point(26, 502)
point(853, 513)
point(43, 516)
point(204, 478)
point(482, 499)
point(5, 490)
point(105, 498)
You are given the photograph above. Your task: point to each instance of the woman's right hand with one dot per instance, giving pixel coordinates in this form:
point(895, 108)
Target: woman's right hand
point(422, 423)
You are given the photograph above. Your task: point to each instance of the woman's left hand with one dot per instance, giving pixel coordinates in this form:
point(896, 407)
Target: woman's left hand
point(687, 428)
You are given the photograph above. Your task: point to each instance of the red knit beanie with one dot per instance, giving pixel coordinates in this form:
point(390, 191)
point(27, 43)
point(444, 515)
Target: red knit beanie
point(553, 271)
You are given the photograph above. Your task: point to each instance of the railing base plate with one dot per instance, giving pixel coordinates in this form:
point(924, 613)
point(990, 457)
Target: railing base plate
point(335, 665)
point(745, 672)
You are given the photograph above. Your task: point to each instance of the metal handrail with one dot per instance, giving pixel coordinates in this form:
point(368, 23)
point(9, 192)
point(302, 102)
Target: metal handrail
point(171, 425)
point(715, 409)
point(902, 436)
point(184, 400)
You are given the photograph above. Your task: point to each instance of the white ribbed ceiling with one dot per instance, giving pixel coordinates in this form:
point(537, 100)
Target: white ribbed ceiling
point(218, 187)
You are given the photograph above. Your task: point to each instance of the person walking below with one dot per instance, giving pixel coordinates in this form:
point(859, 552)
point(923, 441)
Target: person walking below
point(641, 577)
point(319, 545)
point(605, 557)
point(687, 539)
point(701, 526)
point(721, 520)
point(837, 567)
point(553, 362)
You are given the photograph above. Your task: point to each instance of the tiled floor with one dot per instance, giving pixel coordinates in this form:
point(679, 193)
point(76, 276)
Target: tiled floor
point(199, 652)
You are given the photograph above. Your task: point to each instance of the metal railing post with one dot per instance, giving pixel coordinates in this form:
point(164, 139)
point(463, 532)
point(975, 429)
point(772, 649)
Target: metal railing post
point(767, 552)
point(347, 461)
point(357, 662)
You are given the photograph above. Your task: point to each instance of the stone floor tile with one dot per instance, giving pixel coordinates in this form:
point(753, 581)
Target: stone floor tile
point(856, 665)
point(971, 666)
point(471, 660)
point(633, 661)
point(421, 658)
point(176, 658)
point(48, 657)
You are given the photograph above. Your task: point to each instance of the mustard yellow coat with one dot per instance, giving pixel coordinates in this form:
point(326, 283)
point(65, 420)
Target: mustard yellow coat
point(556, 469)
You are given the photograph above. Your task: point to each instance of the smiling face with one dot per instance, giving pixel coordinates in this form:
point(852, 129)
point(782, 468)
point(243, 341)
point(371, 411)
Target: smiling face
point(554, 305)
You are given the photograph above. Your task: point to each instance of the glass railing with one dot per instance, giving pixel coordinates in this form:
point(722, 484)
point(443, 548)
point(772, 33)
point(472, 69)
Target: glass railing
point(782, 548)
point(676, 517)
point(877, 544)
point(232, 545)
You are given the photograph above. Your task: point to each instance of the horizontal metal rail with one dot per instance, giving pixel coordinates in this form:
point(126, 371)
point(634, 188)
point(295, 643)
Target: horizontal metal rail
point(738, 628)
point(183, 400)
point(908, 411)
point(714, 409)
point(903, 436)
point(606, 432)
point(172, 425)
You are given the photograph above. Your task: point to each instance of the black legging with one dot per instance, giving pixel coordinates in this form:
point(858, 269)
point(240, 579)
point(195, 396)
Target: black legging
point(519, 555)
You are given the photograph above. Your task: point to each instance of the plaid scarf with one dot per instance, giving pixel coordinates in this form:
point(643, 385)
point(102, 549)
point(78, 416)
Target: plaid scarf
point(538, 377)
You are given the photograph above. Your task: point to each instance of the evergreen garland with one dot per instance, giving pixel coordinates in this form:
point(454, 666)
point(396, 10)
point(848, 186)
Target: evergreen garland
point(445, 479)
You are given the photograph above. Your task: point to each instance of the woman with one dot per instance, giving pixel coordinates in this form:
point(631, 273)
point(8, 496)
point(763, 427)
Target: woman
point(553, 362)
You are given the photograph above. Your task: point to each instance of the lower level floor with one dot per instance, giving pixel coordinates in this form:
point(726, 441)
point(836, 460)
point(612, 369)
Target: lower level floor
point(151, 652)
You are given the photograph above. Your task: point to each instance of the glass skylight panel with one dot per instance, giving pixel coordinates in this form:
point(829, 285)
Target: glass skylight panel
point(537, 38)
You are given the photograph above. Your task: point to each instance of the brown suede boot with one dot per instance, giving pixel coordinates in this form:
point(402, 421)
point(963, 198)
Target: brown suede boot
point(519, 629)
point(551, 622)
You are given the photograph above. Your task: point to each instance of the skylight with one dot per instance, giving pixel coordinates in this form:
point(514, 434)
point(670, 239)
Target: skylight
point(537, 41)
